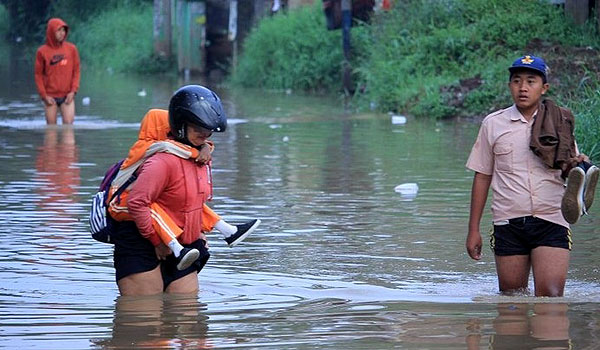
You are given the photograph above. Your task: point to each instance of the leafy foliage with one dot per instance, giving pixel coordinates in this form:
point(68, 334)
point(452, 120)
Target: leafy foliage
point(424, 45)
point(587, 119)
point(27, 19)
point(3, 20)
point(117, 40)
point(292, 51)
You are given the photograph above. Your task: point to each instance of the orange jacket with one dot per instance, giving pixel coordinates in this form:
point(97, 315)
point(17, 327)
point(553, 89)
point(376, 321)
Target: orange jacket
point(152, 139)
point(56, 64)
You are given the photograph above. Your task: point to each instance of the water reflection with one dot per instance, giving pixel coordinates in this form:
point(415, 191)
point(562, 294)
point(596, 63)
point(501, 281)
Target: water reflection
point(525, 326)
point(55, 164)
point(158, 322)
point(58, 174)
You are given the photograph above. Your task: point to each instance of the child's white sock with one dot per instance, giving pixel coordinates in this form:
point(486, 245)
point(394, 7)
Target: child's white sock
point(225, 228)
point(176, 247)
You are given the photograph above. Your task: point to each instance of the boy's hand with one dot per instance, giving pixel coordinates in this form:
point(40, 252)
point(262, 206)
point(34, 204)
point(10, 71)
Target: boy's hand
point(474, 245)
point(70, 97)
point(49, 101)
point(582, 158)
point(204, 157)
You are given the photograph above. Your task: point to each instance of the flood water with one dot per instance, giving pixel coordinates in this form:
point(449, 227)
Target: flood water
point(341, 260)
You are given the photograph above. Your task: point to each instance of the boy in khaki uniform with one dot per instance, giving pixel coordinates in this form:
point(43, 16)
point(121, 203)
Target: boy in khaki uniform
point(530, 231)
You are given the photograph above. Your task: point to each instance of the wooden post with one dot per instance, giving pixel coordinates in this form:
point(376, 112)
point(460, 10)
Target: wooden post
point(162, 28)
point(578, 10)
point(259, 11)
point(232, 32)
point(191, 36)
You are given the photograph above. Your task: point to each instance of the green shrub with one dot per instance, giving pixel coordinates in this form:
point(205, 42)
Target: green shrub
point(292, 51)
point(3, 21)
point(586, 107)
point(423, 45)
point(119, 39)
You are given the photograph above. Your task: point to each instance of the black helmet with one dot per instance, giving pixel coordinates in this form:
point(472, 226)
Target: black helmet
point(197, 105)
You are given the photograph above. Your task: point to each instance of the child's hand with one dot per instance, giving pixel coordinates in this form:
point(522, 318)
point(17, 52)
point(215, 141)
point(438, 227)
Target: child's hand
point(204, 157)
point(162, 251)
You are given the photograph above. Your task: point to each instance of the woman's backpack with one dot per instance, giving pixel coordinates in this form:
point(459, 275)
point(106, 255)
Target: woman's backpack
point(102, 225)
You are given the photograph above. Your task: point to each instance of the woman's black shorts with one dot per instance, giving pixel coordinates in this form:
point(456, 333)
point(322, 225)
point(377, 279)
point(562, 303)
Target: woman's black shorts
point(134, 254)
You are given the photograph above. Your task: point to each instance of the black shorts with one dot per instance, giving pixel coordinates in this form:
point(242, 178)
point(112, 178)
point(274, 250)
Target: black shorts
point(59, 100)
point(521, 235)
point(134, 254)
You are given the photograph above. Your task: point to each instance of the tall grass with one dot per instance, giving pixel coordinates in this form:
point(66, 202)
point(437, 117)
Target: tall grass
point(3, 21)
point(586, 108)
point(119, 39)
point(423, 45)
point(292, 51)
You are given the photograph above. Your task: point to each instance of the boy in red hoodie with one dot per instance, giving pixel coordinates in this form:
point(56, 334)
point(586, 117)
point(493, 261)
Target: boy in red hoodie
point(57, 72)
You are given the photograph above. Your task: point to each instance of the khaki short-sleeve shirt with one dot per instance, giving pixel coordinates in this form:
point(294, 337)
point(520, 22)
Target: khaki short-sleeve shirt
point(522, 185)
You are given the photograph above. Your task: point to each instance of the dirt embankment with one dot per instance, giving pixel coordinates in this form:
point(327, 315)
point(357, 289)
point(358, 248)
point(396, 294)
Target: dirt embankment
point(569, 69)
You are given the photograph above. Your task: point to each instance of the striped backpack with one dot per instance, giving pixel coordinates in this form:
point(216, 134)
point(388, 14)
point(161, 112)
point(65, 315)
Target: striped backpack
point(102, 225)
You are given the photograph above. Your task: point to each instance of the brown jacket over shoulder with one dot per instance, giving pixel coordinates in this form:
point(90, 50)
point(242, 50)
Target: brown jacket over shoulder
point(553, 138)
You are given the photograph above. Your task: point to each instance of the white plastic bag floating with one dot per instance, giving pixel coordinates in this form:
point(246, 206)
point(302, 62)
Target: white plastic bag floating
point(398, 119)
point(409, 189)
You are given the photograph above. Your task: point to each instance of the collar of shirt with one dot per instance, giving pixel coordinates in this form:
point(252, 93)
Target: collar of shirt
point(515, 114)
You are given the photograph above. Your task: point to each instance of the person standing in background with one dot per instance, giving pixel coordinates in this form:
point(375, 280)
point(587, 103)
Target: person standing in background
point(57, 73)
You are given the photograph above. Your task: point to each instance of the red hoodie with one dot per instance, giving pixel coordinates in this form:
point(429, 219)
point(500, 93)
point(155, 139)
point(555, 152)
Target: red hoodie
point(56, 64)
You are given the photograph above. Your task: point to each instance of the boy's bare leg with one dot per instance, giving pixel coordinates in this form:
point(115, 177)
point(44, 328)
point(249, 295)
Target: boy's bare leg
point(51, 112)
point(513, 273)
point(68, 112)
point(184, 285)
point(550, 267)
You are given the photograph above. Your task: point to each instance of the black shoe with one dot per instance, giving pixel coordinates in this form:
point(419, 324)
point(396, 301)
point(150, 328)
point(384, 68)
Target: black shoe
point(186, 258)
point(243, 231)
point(572, 202)
point(591, 179)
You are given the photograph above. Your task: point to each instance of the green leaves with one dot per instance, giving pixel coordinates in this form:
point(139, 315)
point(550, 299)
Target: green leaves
point(118, 40)
point(292, 51)
point(435, 44)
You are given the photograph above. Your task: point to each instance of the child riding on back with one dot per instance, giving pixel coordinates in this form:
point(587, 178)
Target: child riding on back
point(152, 139)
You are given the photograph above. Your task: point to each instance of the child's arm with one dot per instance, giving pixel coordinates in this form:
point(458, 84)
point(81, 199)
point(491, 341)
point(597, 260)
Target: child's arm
point(205, 152)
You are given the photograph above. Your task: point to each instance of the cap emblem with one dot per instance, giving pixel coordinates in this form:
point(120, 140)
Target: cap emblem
point(527, 60)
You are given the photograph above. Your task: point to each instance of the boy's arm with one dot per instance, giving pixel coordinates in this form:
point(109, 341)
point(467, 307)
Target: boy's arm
point(39, 75)
point(76, 76)
point(479, 192)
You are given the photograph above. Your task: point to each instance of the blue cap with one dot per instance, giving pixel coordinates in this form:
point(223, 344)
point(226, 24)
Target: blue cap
point(530, 62)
